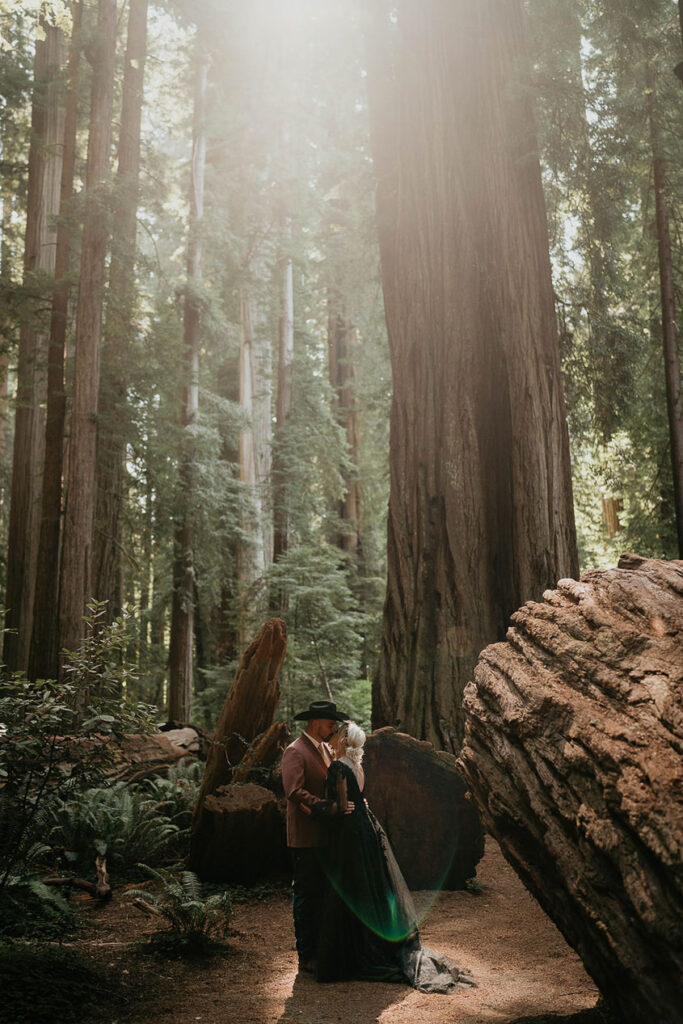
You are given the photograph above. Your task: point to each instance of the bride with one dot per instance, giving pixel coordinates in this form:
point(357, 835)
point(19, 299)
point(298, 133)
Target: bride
point(368, 928)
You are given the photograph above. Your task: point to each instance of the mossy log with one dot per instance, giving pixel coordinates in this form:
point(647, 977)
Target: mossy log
point(573, 743)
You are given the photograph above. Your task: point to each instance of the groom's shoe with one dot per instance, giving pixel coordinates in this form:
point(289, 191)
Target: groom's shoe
point(307, 965)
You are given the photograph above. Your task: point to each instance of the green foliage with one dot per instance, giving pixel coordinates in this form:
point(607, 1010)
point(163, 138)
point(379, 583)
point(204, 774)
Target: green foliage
point(175, 794)
point(28, 907)
point(592, 62)
point(120, 823)
point(324, 624)
point(196, 920)
point(44, 984)
point(58, 740)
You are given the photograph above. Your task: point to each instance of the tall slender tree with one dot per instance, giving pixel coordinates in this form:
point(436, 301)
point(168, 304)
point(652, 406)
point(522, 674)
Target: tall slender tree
point(182, 609)
point(480, 509)
point(340, 343)
point(76, 580)
point(44, 653)
point(29, 431)
point(672, 366)
point(116, 344)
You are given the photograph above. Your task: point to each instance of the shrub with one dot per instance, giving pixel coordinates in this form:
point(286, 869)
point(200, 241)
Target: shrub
point(55, 741)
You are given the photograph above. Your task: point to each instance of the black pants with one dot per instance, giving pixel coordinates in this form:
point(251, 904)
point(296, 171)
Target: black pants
point(308, 886)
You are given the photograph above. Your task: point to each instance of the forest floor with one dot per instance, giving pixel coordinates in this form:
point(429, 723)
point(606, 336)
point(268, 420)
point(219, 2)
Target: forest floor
point(523, 968)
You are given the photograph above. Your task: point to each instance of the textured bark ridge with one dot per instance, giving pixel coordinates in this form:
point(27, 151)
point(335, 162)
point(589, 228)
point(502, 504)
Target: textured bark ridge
point(573, 744)
point(418, 796)
point(247, 714)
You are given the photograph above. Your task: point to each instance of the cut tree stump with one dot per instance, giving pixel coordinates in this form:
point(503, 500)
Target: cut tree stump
point(244, 836)
point(573, 744)
point(418, 795)
point(247, 713)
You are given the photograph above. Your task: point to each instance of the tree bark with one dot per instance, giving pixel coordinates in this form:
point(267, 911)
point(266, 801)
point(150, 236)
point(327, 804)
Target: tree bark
point(182, 608)
point(44, 651)
point(573, 752)
point(44, 174)
point(672, 366)
point(265, 749)
point(76, 583)
point(111, 423)
point(480, 508)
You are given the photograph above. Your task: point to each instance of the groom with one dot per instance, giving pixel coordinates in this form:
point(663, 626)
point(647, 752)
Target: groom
point(304, 768)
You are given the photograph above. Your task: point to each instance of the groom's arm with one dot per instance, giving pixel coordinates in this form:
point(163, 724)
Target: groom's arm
point(294, 783)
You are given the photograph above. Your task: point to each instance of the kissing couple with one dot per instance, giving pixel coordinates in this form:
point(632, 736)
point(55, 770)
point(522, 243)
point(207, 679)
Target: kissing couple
point(354, 917)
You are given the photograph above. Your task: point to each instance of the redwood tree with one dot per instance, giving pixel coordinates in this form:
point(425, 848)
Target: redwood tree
point(480, 509)
point(180, 656)
point(76, 583)
point(119, 324)
point(44, 172)
point(44, 652)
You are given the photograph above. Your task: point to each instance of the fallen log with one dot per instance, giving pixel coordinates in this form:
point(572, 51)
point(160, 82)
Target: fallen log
point(419, 796)
point(573, 743)
point(248, 711)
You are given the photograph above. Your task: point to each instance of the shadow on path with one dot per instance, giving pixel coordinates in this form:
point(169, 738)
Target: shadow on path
point(598, 1014)
point(316, 1003)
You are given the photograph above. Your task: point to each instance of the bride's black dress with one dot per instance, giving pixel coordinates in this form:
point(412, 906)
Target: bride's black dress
point(368, 927)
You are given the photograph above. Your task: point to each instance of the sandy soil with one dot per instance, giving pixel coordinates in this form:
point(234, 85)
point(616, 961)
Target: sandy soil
point(522, 966)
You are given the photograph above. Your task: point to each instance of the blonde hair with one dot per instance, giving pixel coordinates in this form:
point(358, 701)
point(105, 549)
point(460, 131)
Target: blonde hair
point(355, 741)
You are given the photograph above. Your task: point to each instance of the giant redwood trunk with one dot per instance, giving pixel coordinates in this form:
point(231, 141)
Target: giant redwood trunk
point(480, 508)
point(572, 751)
point(116, 345)
point(44, 650)
point(44, 171)
point(76, 583)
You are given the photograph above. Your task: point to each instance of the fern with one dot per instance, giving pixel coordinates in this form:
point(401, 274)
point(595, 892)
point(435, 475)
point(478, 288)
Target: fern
point(119, 823)
point(196, 920)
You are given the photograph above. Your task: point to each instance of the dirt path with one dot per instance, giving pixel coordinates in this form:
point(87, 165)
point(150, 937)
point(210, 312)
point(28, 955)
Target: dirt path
point(521, 963)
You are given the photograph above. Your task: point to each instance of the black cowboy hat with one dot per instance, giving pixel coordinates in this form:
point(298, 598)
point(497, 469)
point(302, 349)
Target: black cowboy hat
point(322, 709)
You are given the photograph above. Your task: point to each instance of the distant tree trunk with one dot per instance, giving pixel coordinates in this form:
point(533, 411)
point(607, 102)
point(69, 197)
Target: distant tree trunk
point(76, 583)
point(111, 422)
point(678, 70)
point(29, 431)
point(283, 405)
point(44, 651)
point(254, 455)
point(672, 368)
point(480, 508)
point(340, 338)
point(182, 609)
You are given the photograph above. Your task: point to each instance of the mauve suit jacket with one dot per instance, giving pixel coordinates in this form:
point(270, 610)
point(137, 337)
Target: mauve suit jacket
point(303, 777)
